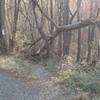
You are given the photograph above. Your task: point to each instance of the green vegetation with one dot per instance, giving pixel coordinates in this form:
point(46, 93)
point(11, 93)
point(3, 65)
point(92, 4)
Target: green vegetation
point(87, 82)
point(65, 75)
point(79, 81)
point(51, 65)
point(19, 67)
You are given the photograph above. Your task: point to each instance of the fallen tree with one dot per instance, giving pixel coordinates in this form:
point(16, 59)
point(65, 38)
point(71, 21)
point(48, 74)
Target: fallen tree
point(59, 29)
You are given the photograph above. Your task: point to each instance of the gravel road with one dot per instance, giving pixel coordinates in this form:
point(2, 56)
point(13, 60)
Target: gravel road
point(43, 89)
point(13, 89)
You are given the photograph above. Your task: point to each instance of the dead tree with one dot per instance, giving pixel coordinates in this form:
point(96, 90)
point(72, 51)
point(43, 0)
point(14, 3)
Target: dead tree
point(66, 28)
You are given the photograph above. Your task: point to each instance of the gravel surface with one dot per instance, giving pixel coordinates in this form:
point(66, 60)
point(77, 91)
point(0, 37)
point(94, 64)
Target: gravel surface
point(42, 89)
point(13, 89)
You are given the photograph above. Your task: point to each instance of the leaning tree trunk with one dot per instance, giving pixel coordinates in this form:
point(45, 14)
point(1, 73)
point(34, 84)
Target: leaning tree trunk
point(51, 15)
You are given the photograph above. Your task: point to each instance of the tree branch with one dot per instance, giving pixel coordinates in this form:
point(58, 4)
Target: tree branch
point(50, 19)
point(81, 24)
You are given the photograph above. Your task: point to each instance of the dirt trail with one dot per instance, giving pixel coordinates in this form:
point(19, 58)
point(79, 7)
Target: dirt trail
point(40, 72)
point(13, 89)
point(41, 89)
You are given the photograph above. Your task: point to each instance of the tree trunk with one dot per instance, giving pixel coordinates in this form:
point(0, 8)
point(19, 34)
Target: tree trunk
point(59, 22)
point(91, 30)
point(51, 14)
point(16, 13)
point(65, 22)
point(79, 31)
point(2, 40)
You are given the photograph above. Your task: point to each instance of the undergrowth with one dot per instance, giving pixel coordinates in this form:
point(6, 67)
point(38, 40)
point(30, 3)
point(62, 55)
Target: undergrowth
point(77, 81)
point(86, 82)
point(50, 65)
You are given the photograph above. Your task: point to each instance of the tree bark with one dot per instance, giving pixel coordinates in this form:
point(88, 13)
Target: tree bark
point(2, 40)
point(51, 14)
point(16, 14)
point(79, 31)
point(91, 30)
point(65, 22)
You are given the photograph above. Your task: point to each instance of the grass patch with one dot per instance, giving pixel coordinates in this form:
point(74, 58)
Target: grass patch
point(65, 75)
point(80, 81)
point(86, 82)
point(19, 67)
point(51, 65)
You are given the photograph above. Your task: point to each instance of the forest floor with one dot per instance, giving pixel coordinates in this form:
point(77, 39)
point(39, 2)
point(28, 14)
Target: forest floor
point(24, 80)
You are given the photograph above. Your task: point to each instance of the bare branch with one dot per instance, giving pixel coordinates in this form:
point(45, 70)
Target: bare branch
point(73, 15)
point(81, 24)
point(50, 19)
